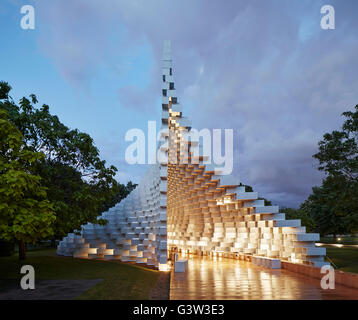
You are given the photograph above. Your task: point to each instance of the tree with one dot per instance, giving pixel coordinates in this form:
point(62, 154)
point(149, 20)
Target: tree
point(338, 151)
point(333, 206)
point(25, 213)
point(78, 181)
point(120, 191)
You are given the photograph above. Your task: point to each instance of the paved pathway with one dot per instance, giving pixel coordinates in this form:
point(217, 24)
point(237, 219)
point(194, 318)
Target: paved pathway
point(220, 278)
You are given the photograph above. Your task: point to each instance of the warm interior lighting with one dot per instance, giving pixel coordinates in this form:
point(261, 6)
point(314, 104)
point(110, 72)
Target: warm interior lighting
point(164, 267)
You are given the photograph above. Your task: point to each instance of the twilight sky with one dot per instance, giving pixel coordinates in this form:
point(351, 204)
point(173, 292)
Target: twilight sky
point(264, 68)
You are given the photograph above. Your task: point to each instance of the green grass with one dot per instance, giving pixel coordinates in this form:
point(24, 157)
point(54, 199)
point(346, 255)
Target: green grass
point(120, 281)
point(346, 259)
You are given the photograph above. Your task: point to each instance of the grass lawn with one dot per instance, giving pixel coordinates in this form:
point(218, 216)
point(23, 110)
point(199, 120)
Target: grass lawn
point(120, 281)
point(346, 259)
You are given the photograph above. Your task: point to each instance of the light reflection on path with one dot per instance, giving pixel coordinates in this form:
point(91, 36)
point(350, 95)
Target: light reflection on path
point(220, 278)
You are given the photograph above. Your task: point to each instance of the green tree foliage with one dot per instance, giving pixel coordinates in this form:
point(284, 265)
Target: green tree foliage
point(338, 151)
point(120, 191)
point(25, 213)
point(80, 185)
point(334, 205)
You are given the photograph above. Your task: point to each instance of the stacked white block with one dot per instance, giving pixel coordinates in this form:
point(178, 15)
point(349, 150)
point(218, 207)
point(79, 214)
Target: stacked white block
point(181, 265)
point(211, 213)
point(135, 232)
point(205, 216)
point(186, 205)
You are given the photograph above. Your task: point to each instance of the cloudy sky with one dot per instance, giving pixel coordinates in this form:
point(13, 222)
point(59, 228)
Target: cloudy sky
point(264, 68)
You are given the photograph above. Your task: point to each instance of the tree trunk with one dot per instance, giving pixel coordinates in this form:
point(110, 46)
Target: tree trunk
point(22, 250)
point(53, 243)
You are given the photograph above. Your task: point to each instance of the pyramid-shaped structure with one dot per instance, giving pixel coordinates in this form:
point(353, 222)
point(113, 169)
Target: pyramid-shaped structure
point(185, 205)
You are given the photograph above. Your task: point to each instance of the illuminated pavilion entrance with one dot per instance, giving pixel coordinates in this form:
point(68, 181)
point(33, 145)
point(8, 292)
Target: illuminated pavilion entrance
point(185, 205)
point(210, 278)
